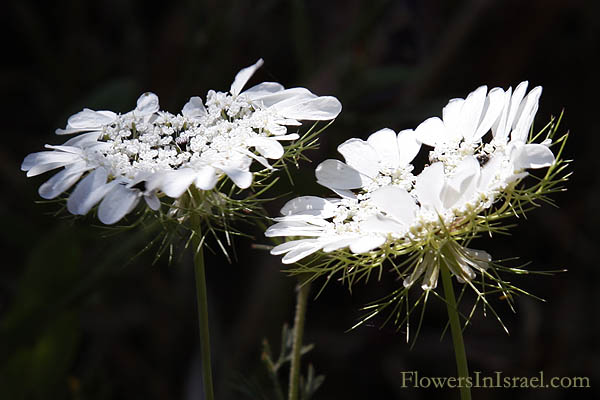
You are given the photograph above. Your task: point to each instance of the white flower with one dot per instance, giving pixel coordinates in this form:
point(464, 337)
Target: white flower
point(383, 204)
point(147, 152)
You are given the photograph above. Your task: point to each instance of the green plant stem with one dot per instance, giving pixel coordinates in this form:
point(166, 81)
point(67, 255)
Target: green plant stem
point(298, 331)
point(457, 338)
point(203, 317)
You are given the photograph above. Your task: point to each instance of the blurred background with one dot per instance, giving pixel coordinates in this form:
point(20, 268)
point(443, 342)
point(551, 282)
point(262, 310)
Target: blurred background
point(80, 318)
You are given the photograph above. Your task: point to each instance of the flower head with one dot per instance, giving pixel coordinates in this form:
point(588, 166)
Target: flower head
point(479, 154)
point(115, 160)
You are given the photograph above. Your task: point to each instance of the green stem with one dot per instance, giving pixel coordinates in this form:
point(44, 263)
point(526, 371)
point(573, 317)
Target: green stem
point(203, 317)
point(298, 331)
point(457, 338)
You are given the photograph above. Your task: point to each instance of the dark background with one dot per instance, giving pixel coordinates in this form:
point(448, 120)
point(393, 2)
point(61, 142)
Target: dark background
point(79, 319)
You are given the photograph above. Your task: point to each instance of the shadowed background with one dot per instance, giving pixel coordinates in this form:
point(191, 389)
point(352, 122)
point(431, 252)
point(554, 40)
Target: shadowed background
point(81, 319)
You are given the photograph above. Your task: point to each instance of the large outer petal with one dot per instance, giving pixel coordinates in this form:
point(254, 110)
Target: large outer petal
point(89, 119)
point(525, 115)
point(242, 77)
point(40, 162)
point(337, 175)
point(367, 243)
point(431, 132)
point(266, 146)
point(309, 205)
point(88, 192)
point(361, 156)
point(385, 143)
point(461, 186)
point(532, 155)
point(396, 202)
point(62, 181)
point(316, 109)
point(494, 104)
point(175, 183)
point(470, 113)
point(408, 145)
point(117, 203)
point(263, 89)
point(429, 186)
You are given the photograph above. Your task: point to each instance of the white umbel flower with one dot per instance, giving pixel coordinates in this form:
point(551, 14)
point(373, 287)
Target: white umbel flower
point(118, 159)
point(383, 206)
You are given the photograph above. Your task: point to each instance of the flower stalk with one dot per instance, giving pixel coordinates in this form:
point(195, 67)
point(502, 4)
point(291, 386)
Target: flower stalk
point(303, 290)
point(202, 302)
point(455, 328)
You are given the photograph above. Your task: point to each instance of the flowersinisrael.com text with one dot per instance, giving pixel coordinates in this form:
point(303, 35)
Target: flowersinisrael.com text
point(412, 379)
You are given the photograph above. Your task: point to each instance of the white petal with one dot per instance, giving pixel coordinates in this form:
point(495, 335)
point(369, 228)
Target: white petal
point(268, 147)
point(309, 205)
point(41, 168)
point(317, 109)
point(408, 145)
point(175, 183)
point(470, 113)
point(69, 131)
point(367, 243)
point(396, 202)
point(152, 201)
point(206, 178)
point(526, 115)
point(515, 104)
point(66, 149)
point(38, 163)
point(361, 156)
point(88, 119)
point(194, 108)
point(494, 104)
point(291, 136)
point(385, 143)
point(337, 175)
point(84, 139)
point(532, 155)
point(338, 244)
point(241, 177)
point(61, 182)
point(117, 203)
point(301, 252)
point(381, 224)
point(263, 89)
point(451, 115)
point(147, 104)
point(461, 186)
point(429, 185)
point(431, 132)
point(284, 98)
point(293, 228)
point(88, 192)
point(288, 246)
point(344, 193)
point(242, 77)
point(500, 130)
point(263, 161)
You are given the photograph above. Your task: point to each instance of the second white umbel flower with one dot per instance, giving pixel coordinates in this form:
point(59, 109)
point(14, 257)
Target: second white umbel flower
point(479, 154)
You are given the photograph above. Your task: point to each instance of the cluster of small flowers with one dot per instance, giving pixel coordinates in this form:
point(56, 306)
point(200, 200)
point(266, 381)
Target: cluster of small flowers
point(382, 202)
point(117, 159)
